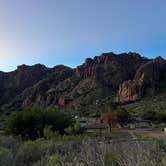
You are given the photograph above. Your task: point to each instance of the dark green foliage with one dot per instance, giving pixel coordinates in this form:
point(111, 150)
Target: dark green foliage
point(154, 116)
point(161, 116)
point(124, 116)
point(73, 130)
point(149, 115)
point(50, 134)
point(30, 122)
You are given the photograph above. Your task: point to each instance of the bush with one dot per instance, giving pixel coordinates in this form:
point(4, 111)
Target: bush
point(161, 116)
point(149, 115)
point(69, 130)
point(53, 160)
point(29, 152)
point(111, 158)
point(30, 122)
point(75, 129)
point(6, 156)
point(155, 116)
point(49, 133)
point(124, 116)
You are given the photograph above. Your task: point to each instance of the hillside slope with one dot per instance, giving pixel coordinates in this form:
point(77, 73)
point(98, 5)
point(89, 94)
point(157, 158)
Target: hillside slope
point(122, 77)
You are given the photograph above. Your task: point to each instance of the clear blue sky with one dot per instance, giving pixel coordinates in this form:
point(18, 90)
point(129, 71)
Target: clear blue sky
point(55, 32)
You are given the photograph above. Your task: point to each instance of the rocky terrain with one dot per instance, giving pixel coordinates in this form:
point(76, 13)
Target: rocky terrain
point(122, 77)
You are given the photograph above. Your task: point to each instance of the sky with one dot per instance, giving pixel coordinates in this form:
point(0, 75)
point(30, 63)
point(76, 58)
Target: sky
point(66, 32)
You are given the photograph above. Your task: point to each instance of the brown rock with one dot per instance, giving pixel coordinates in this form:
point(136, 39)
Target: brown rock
point(147, 76)
point(88, 62)
point(129, 74)
point(61, 101)
point(130, 91)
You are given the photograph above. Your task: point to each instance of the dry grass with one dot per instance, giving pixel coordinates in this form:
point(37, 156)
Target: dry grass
point(84, 152)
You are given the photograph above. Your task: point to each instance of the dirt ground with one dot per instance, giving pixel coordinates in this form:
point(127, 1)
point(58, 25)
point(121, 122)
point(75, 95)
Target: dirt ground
point(146, 132)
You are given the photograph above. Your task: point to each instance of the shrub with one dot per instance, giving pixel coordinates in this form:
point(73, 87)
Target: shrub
point(155, 116)
point(69, 130)
point(111, 158)
point(149, 115)
point(54, 160)
point(88, 151)
point(6, 157)
point(29, 152)
point(30, 122)
point(49, 133)
point(75, 129)
point(161, 116)
point(124, 116)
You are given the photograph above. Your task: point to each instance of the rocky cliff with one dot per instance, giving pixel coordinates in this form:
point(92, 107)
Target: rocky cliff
point(146, 79)
point(123, 77)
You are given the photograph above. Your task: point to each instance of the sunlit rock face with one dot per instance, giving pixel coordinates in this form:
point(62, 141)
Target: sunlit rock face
point(129, 91)
point(148, 76)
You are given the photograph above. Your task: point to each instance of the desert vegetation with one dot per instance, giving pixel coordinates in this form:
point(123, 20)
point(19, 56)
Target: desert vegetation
point(77, 150)
point(32, 123)
point(43, 137)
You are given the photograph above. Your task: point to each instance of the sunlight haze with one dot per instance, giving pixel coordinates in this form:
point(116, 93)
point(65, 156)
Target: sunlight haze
point(66, 32)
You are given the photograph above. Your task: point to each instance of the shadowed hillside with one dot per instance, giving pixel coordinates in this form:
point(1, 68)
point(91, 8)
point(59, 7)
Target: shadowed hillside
point(122, 77)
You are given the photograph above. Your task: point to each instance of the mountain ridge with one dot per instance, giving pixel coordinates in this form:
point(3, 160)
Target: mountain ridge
point(126, 77)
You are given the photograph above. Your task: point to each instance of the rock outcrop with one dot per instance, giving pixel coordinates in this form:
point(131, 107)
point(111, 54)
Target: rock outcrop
point(14, 83)
point(126, 77)
point(147, 78)
point(129, 91)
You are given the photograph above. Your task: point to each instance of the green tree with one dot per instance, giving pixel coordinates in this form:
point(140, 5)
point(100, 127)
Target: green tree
point(30, 122)
point(124, 116)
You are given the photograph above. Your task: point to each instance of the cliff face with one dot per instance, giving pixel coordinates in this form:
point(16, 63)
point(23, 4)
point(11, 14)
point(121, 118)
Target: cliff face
point(147, 78)
point(14, 83)
point(130, 91)
point(111, 69)
point(126, 76)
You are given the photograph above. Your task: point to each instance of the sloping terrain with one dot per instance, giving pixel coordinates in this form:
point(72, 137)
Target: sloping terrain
point(154, 103)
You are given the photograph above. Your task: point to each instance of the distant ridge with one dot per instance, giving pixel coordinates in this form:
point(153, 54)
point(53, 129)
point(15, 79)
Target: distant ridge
point(122, 77)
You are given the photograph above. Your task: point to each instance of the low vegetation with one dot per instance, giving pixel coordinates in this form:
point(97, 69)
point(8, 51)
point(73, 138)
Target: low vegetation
point(149, 108)
point(153, 116)
point(42, 137)
point(87, 151)
point(30, 123)
point(124, 116)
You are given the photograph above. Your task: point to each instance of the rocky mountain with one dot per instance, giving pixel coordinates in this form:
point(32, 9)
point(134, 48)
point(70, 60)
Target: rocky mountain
point(146, 80)
point(13, 83)
point(122, 77)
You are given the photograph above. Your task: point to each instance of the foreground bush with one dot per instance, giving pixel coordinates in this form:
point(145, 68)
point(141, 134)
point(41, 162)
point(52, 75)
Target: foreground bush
point(73, 130)
point(50, 134)
point(30, 122)
point(88, 151)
